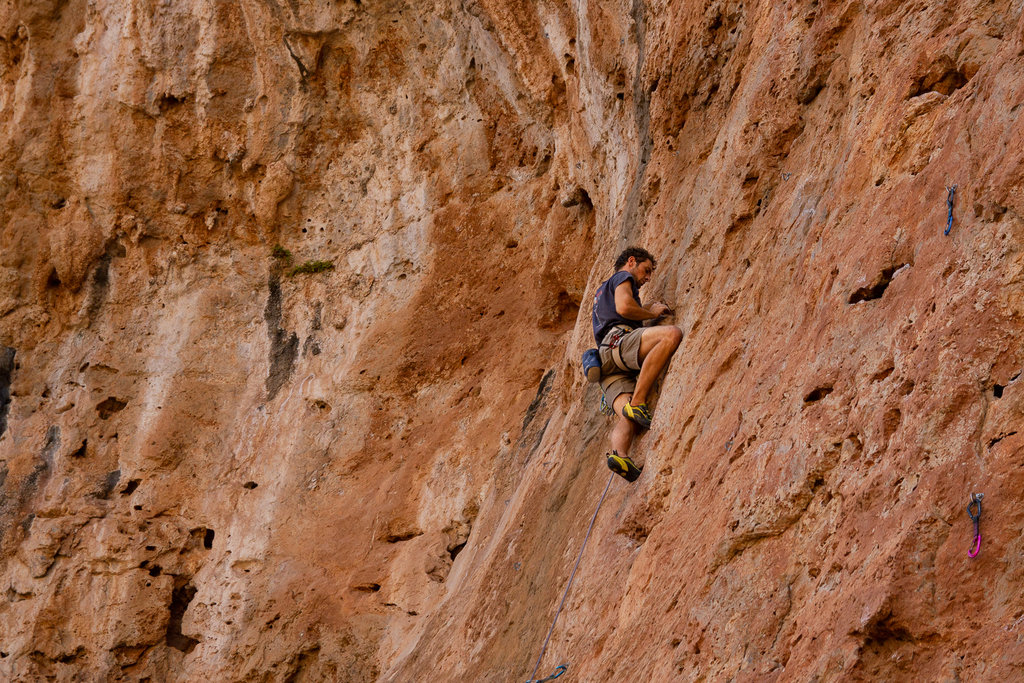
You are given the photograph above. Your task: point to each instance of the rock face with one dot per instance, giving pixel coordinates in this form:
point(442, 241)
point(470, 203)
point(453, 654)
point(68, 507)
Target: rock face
point(216, 466)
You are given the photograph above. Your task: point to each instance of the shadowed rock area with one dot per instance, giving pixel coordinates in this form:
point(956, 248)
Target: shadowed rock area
point(293, 296)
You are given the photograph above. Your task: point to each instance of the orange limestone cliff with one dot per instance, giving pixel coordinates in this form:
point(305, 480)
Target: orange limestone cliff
point(293, 296)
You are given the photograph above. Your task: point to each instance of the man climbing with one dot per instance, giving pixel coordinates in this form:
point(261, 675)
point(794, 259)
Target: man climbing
point(632, 356)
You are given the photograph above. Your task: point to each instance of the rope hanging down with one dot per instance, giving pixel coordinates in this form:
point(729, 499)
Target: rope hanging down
point(562, 667)
point(976, 518)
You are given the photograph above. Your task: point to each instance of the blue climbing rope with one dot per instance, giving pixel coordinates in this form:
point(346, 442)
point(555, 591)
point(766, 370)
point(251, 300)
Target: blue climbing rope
point(949, 203)
point(562, 667)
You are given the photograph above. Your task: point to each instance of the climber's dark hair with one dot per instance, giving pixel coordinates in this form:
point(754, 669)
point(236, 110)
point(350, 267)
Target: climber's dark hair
point(639, 254)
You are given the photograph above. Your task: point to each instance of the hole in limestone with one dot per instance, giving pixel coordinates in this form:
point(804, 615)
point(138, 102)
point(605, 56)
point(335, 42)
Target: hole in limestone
point(620, 96)
point(151, 547)
point(138, 507)
point(53, 280)
point(168, 101)
point(400, 536)
point(366, 587)
point(818, 394)
point(585, 201)
point(993, 442)
point(183, 593)
point(130, 487)
point(997, 390)
point(454, 551)
point(877, 288)
point(942, 77)
point(80, 453)
point(882, 374)
point(110, 406)
point(155, 570)
point(249, 485)
point(203, 535)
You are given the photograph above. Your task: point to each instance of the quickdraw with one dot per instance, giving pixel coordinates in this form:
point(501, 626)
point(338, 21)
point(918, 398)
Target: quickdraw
point(949, 203)
point(614, 337)
point(976, 518)
point(559, 670)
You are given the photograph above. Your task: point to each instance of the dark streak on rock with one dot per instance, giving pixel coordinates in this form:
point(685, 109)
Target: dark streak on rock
point(303, 71)
point(109, 484)
point(51, 445)
point(101, 280)
point(542, 391)
point(642, 115)
point(284, 347)
point(6, 371)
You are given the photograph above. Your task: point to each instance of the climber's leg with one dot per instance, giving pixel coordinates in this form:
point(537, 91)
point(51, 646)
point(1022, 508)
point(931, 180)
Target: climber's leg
point(656, 348)
point(623, 431)
point(622, 438)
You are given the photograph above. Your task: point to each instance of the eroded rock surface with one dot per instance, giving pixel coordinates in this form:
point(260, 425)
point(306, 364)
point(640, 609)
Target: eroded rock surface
point(215, 467)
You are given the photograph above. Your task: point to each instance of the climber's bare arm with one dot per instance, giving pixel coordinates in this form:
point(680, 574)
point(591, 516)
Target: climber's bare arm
point(627, 307)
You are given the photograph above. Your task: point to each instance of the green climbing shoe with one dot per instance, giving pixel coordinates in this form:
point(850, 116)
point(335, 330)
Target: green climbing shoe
point(623, 466)
point(638, 414)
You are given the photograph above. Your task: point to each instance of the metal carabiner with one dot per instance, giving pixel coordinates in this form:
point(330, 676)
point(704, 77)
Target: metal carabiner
point(975, 500)
point(559, 670)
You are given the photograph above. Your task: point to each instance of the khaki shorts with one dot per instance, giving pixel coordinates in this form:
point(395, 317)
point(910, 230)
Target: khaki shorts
point(615, 380)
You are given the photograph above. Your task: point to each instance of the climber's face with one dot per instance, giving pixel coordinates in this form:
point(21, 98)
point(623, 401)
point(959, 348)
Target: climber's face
point(641, 271)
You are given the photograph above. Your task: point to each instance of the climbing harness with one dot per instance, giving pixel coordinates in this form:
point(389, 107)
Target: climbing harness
point(613, 341)
point(949, 203)
point(562, 667)
point(976, 518)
